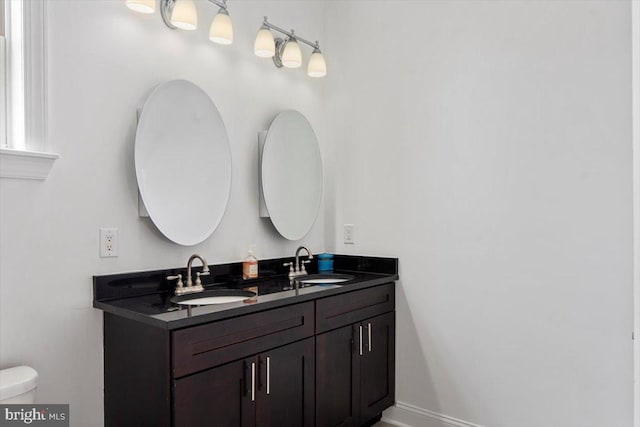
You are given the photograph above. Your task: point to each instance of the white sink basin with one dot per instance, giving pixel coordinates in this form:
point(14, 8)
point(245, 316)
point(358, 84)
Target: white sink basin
point(324, 279)
point(214, 296)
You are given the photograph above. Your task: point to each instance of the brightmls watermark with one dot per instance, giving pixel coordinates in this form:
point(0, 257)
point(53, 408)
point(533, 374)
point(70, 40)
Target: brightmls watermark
point(34, 415)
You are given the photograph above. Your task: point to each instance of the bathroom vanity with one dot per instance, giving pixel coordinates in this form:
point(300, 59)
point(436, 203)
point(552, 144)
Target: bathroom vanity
point(293, 355)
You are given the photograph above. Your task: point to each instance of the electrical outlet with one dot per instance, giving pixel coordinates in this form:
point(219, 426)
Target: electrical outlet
point(108, 242)
point(349, 234)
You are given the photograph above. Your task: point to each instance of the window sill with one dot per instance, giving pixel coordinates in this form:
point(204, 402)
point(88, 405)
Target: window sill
point(20, 164)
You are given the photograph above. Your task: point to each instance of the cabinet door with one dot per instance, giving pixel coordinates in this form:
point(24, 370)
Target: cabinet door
point(337, 377)
point(219, 397)
point(286, 385)
point(377, 366)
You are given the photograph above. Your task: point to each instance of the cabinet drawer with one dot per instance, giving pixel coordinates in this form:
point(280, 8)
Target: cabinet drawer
point(340, 310)
point(205, 346)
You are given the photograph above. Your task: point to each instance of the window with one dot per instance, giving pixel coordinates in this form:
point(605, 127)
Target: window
point(3, 80)
point(23, 82)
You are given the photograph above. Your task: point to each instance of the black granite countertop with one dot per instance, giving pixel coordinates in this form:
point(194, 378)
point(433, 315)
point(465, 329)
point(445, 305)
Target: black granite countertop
point(145, 296)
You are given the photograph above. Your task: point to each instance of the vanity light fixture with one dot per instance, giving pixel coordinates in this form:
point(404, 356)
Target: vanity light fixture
point(286, 52)
point(317, 67)
point(221, 30)
point(265, 45)
point(179, 14)
point(182, 14)
point(290, 53)
point(142, 6)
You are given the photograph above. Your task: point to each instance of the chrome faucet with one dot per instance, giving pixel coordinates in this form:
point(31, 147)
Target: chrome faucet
point(190, 286)
point(300, 269)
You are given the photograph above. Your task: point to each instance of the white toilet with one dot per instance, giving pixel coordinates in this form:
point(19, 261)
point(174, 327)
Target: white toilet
point(18, 385)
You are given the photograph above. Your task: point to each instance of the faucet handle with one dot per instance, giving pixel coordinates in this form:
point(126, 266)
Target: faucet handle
point(179, 283)
point(302, 267)
point(204, 273)
point(198, 281)
point(290, 265)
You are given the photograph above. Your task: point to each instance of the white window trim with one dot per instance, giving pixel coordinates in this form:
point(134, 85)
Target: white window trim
point(635, 73)
point(3, 91)
point(27, 156)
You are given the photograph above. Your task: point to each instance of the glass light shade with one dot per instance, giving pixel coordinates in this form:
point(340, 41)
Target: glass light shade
point(265, 46)
point(142, 6)
point(184, 15)
point(221, 30)
point(292, 56)
point(317, 66)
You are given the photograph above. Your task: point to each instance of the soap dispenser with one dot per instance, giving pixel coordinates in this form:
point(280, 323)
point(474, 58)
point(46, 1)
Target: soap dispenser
point(250, 266)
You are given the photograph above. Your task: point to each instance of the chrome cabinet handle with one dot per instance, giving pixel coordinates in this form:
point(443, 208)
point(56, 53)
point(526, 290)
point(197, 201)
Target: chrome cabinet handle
point(253, 381)
point(268, 375)
point(360, 340)
point(369, 331)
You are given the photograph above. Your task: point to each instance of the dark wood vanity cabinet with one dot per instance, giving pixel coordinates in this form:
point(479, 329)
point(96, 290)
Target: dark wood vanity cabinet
point(337, 378)
point(377, 366)
point(355, 378)
point(327, 362)
point(217, 397)
point(274, 388)
point(286, 386)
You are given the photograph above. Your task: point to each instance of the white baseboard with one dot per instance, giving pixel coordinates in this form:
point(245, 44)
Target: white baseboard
point(407, 415)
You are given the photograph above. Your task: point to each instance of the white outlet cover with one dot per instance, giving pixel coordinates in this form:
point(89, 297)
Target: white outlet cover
point(349, 234)
point(108, 242)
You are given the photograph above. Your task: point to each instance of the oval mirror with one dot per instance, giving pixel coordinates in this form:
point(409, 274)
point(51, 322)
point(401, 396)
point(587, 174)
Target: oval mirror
point(291, 174)
point(183, 162)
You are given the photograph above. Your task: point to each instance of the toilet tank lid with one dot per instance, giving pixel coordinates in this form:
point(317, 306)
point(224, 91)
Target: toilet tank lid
point(17, 380)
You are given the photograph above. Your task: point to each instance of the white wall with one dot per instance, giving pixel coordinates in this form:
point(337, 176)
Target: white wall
point(488, 145)
point(103, 62)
